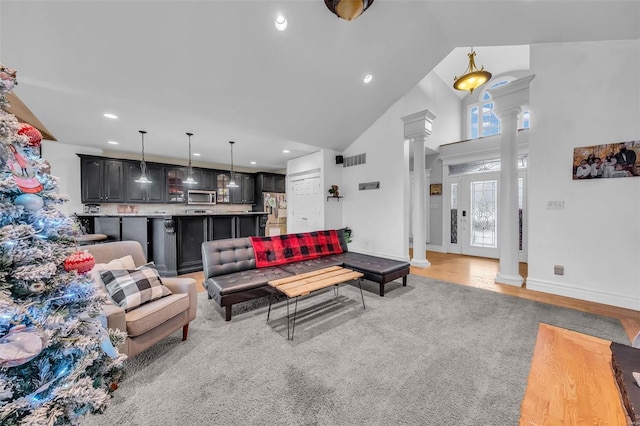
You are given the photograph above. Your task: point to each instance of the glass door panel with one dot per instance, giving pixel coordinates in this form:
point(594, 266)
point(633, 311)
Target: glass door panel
point(484, 206)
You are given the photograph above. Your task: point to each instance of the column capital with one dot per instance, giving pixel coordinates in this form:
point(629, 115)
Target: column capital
point(508, 99)
point(418, 125)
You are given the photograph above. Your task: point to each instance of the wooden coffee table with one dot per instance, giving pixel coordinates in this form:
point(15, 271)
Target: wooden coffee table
point(303, 284)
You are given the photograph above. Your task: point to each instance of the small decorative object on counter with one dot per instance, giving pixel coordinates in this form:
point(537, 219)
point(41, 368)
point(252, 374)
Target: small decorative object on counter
point(334, 191)
point(81, 261)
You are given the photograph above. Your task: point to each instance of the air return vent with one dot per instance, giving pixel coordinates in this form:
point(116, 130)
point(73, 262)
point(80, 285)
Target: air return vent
point(355, 160)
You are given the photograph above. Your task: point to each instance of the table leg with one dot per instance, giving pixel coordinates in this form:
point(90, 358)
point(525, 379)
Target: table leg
point(293, 326)
point(269, 312)
point(361, 295)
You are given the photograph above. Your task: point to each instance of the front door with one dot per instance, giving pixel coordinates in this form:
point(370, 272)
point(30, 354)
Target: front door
point(478, 215)
point(474, 215)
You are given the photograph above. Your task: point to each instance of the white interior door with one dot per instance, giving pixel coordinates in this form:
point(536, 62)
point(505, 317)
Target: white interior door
point(304, 201)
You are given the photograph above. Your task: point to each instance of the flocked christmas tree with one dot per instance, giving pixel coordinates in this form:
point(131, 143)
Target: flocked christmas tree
point(57, 362)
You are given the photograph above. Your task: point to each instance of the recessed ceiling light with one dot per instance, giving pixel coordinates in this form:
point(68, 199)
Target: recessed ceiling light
point(367, 79)
point(196, 154)
point(286, 151)
point(109, 115)
point(281, 23)
point(253, 162)
point(113, 142)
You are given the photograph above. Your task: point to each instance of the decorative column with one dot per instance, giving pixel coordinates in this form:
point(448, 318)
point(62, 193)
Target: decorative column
point(507, 102)
point(417, 128)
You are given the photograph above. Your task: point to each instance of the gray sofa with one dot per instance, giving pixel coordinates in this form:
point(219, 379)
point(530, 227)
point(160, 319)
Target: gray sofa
point(231, 276)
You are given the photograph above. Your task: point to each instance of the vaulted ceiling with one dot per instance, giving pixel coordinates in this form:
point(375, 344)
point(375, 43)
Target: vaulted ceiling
point(221, 70)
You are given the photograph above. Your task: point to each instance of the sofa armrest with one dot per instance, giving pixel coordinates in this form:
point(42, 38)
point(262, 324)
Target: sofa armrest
point(184, 285)
point(115, 317)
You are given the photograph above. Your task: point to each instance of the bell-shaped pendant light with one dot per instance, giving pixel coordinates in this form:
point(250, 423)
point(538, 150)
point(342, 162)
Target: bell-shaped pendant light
point(473, 77)
point(189, 180)
point(348, 9)
point(232, 182)
point(143, 166)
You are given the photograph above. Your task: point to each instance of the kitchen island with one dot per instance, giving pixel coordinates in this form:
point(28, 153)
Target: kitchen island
point(173, 242)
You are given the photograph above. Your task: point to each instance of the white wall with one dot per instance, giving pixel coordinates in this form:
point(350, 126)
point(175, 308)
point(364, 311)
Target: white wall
point(332, 175)
point(379, 217)
point(65, 165)
point(584, 94)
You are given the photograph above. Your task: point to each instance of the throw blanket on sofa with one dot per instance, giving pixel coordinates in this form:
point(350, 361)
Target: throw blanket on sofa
point(288, 248)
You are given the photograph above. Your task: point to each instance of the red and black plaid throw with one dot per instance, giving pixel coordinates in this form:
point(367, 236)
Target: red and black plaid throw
point(281, 249)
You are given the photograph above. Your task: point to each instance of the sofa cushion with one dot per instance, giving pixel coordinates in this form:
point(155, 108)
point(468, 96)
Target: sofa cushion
point(152, 314)
point(289, 248)
point(125, 262)
point(243, 280)
point(311, 265)
point(373, 264)
point(221, 257)
point(130, 288)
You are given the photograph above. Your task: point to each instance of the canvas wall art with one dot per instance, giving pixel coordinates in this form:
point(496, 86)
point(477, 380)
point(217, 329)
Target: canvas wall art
point(614, 160)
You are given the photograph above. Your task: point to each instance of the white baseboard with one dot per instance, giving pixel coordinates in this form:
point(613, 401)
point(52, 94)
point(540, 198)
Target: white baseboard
point(439, 249)
point(387, 256)
point(568, 290)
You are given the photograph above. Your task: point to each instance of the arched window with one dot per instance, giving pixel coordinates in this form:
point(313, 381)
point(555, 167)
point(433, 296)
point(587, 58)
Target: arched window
point(483, 122)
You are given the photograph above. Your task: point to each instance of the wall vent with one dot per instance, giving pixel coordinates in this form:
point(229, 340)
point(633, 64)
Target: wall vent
point(355, 160)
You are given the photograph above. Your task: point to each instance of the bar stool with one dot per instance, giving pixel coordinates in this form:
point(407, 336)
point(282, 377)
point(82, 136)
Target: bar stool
point(86, 239)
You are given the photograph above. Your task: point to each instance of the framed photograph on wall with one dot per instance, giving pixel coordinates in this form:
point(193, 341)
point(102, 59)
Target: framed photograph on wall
point(435, 189)
point(614, 160)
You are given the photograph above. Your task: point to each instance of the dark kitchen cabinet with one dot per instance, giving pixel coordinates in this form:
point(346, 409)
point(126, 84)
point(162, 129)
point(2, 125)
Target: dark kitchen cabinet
point(137, 229)
point(270, 182)
point(101, 180)
point(222, 189)
point(247, 226)
point(245, 191)
point(176, 189)
point(279, 183)
point(207, 180)
point(153, 192)
point(109, 226)
point(221, 227)
point(191, 233)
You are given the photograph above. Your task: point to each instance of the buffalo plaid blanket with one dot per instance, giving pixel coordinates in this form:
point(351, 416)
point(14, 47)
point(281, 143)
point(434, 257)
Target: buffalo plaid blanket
point(289, 248)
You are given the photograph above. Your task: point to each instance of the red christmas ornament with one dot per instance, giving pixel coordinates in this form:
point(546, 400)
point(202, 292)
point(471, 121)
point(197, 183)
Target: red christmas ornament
point(34, 135)
point(81, 261)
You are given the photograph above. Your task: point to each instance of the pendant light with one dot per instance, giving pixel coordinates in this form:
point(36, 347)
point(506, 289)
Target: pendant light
point(348, 9)
point(473, 77)
point(232, 183)
point(143, 166)
point(190, 180)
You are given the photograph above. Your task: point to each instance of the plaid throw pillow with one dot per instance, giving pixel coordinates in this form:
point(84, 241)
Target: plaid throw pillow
point(130, 288)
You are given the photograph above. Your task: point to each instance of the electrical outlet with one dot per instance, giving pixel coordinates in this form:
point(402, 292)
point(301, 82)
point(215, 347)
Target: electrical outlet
point(558, 269)
point(555, 205)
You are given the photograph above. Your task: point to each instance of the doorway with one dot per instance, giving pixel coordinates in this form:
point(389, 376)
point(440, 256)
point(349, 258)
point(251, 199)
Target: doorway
point(304, 204)
point(474, 214)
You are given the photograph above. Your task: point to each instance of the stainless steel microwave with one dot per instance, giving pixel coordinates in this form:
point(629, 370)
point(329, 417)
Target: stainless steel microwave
point(201, 197)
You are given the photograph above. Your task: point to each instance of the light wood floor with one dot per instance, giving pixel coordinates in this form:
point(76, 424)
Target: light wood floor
point(480, 272)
